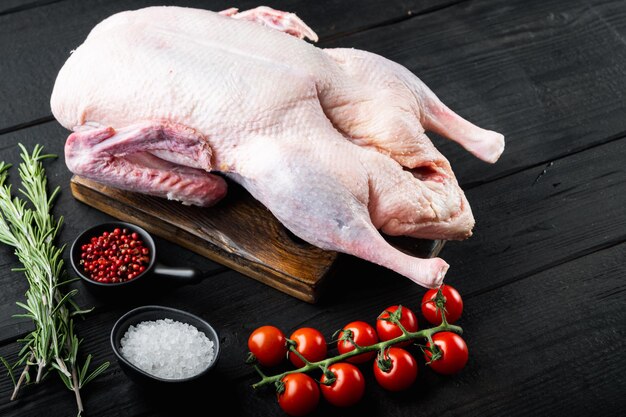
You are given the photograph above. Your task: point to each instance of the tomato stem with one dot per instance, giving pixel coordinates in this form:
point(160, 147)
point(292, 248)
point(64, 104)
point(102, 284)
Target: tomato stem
point(293, 350)
point(310, 366)
point(256, 367)
point(440, 304)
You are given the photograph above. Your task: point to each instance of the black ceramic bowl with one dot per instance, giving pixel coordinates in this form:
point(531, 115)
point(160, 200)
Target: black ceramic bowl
point(154, 268)
point(151, 313)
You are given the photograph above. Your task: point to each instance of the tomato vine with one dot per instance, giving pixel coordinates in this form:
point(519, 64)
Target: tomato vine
point(431, 347)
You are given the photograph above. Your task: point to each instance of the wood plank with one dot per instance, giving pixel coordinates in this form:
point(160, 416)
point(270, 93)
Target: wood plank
point(613, 14)
point(541, 217)
point(36, 43)
point(546, 345)
point(550, 76)
point(239, 232)
point(17, 6)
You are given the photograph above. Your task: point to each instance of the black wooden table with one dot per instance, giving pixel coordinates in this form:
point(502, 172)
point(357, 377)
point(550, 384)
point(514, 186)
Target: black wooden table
point(543, 277)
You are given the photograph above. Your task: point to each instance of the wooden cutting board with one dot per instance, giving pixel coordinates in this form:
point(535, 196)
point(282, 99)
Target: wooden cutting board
point(238, 232)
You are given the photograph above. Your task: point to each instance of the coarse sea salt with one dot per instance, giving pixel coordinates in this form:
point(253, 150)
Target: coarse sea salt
point(167, 348)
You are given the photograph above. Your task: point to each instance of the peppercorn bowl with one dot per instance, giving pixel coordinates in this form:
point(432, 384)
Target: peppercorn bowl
point(154, 342)
point(115, 256)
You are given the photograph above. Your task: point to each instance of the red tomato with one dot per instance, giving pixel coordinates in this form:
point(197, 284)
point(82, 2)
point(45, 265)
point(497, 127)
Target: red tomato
point(396, 370)
point(454, 305)
point(363, 334)
point(310, 343)
point(268, 345)
point(348, 387)
point(300, 395)
point(388, 330)
point(454, 353)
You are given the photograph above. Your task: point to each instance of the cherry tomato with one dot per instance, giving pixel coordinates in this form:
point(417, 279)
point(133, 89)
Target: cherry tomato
point(348, 387)
point(300, 395)
point(454, 305)
point(310, 343)
point(396, 370)
point(268, 345)
point(363, 334)
point(388, 330)
point(454, 353)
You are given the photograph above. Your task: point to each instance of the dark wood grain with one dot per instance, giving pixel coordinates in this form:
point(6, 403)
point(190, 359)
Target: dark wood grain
point(17, 6)
point(39, 40)
point(544, 216)
point(614, 17)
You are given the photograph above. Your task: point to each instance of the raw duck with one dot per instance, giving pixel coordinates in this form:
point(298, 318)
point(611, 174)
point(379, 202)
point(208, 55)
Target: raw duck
point(331, 141)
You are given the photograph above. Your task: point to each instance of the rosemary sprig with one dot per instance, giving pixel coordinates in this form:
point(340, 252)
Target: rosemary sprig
point(28, 225)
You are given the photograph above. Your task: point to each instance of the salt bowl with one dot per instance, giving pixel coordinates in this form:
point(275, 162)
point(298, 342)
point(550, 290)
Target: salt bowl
point(163, 345)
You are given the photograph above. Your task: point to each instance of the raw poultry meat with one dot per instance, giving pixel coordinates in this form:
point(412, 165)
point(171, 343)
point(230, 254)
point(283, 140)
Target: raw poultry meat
point(331, 141)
